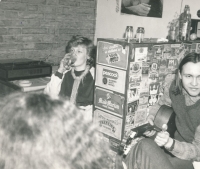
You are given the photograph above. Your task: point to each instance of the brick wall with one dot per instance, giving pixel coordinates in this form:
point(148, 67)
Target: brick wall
point(40, 29)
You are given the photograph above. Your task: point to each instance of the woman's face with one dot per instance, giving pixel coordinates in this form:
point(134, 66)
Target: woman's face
point(80, 54)
point(190, 76)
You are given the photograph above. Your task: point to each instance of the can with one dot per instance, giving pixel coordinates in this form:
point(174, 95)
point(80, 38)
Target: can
point(140, 34)
point(129, 33)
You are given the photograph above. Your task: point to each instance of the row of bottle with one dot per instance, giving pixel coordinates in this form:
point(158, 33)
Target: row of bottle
point(139, 34)
point(185, 24)
point(183, 29)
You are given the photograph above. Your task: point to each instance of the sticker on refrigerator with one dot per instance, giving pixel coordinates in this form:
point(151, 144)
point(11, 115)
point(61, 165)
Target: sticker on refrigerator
point(136, 68)
point(132, 107)
point(109, 101)
point(140, 117)
point(153, 77)
point(110, 78)
point(163, 66)
point(172, 65)
point(108, 124)
point(167, 51)
point(141, 54)
point(158, 51)
point(144, 97)
point(175, 50)
point(133, 94)
point(134, 82)
point(135, 74)
point(193, 47)
point(153, 71)
point(153, 98)
point(154, 88)
point(187, 48)
point(111, 54)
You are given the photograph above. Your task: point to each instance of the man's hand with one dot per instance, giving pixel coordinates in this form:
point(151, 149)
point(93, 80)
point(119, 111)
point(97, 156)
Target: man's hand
point(162, 138)
point(141, 9)
point(64, 63)
point(150, 120)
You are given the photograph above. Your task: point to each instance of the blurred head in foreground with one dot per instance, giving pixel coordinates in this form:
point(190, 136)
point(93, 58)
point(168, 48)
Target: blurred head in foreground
point(38, 132)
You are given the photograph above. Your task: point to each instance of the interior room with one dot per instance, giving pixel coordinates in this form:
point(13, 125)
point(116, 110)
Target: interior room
point(138, 71)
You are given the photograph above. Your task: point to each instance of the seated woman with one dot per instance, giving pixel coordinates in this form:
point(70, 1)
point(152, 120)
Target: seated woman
point(38, 132)
point(75, 81)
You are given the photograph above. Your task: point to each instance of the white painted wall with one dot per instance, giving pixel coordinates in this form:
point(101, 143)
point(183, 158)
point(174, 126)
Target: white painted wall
point(110, 23)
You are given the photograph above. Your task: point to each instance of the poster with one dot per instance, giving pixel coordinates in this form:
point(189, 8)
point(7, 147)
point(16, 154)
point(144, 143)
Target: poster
point(143, 8)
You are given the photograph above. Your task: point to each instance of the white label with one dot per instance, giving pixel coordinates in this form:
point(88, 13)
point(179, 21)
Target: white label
point(184, 29)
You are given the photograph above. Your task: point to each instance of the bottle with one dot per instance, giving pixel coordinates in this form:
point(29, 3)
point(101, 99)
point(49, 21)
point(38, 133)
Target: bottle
point(140, 34)
point(185, 24)
point(172, 34)
point(129, 33)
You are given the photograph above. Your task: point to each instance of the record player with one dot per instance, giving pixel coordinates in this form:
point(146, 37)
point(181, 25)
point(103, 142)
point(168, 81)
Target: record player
point(17, 69)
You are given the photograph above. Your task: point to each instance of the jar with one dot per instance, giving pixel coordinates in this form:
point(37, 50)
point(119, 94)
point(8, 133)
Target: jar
point(140, 34)
point(129, 33)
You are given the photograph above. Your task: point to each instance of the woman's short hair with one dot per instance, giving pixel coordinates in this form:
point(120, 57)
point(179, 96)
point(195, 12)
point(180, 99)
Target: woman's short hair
point(81, 40)
point(39, 132)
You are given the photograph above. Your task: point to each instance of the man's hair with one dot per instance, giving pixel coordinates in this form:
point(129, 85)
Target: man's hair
point(190, 57)
point(81, 40)
point(39, 132)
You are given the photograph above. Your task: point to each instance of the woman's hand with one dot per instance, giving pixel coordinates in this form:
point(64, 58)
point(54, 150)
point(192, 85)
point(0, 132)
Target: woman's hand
point(64, 63)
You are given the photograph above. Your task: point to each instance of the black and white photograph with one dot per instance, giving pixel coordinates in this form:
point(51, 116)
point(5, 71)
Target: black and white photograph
point(99, 84)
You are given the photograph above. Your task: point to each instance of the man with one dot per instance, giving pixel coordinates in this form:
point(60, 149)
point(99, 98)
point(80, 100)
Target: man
point(183, 95)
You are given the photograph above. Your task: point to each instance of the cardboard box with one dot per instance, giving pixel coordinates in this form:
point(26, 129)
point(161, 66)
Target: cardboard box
point(109, 101)
point(108, 124)
point(111, 78)
point(114, 55)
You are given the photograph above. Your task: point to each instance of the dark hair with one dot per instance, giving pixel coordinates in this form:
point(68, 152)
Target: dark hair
point(38, 131)
point(190, 57)
point(81, 40)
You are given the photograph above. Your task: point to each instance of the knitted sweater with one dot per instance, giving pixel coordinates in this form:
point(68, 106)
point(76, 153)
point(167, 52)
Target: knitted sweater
point(187, 137)
point(85, 90)
point(187, 117)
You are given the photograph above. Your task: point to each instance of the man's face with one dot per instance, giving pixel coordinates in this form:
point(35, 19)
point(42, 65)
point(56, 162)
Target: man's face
point(80, 54)
point(190, 76)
